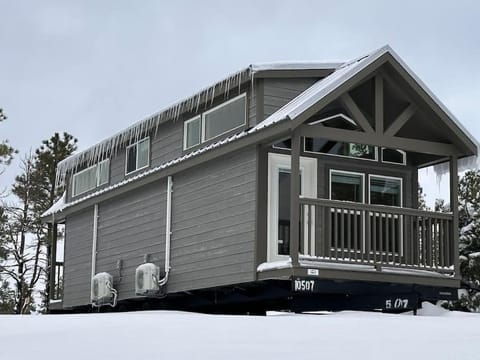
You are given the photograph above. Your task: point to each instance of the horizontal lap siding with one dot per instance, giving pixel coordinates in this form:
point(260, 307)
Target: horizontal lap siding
point(78, 258)
point(278, 92)
point(213, 223)
point(129, 227)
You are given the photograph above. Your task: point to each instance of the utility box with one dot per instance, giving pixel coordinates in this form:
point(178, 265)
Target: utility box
point(147, 277)
point(103, 292)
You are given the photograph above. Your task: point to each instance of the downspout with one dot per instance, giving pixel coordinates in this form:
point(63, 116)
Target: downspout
point(168, 232)
point(94, 246)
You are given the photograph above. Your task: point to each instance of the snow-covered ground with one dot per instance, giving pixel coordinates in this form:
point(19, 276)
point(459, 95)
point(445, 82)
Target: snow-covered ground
point(434, 334)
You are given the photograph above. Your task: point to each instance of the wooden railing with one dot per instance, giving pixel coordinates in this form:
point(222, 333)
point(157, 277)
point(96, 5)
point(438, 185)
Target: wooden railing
point(348, 232)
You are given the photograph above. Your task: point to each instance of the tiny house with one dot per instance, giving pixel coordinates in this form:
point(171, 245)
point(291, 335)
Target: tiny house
point(283, 186)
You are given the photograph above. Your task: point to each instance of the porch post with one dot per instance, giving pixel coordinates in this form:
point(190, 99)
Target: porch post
point(53, 262)
point(294, 198)
point(454, 209)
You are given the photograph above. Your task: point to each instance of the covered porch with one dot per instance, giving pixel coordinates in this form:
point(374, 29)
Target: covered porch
point(377, 107)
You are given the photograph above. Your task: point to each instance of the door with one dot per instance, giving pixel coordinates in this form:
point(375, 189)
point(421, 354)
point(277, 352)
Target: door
point(278, 216)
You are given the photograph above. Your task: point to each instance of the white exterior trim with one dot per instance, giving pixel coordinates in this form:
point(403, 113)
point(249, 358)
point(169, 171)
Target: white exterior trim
point(308, 169)
point(94, 247)
point(185, 132)
point(97, 177)
point(136, 156)
point(348, 173)
point(243, 95)
point(404, 153)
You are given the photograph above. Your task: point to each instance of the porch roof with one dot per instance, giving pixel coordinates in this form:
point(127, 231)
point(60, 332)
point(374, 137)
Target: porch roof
point(326, 86)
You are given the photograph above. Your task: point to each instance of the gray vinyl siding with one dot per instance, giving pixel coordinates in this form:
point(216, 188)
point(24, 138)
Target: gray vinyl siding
point(78, 258)
point(130, 227)
point(213, 223)
point(278, 92)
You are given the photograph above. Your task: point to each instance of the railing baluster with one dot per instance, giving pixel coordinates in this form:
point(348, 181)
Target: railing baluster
point(380, 236)
point(328, 233)
point(424, 243)
point(435, 244)
point(342, 232)
point(448, 261)
point(441, 248)
point(308, 244)
point(394, 238)
point(368, 236)
point(349, 234)
point(335, 232)
point(373, 240)
point(429, 242)
point(355, 235)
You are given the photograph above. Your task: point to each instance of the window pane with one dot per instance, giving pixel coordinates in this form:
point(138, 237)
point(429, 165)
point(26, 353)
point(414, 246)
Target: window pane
point(283, 213)
point(285, 144)
point(393, 156)
point(225, 118)
point(346, 187)
point(340, 148)
point(103, 170)
point(131, 159)
point(143, 153)
point(85, 181)
point(192, 132)
point(385, 191)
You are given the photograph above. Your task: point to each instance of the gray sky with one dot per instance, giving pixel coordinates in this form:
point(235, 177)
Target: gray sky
point(94, 67)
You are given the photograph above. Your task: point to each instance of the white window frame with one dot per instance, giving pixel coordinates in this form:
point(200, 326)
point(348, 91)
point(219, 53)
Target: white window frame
point(348, 173)
point(97, 177)
point(276, 163)
point(400, 252)
point(342, 156)
point(98, 174)
point(136, 158)
point(243, 95)
point(385, 177)
point(185, 131)
point(404, 153)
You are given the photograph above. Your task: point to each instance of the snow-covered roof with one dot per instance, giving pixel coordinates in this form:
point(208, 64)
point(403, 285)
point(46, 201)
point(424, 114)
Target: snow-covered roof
point(291, 111)
point(109, 146)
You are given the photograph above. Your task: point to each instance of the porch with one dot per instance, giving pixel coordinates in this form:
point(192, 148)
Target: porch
point(337, 235)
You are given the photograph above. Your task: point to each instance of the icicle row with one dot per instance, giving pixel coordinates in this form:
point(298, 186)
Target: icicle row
point(109, 147)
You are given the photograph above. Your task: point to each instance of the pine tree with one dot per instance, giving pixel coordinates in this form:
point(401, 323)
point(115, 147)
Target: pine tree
point(24, 263)
point(469, 239)
point(6, 156)
point(47, 157)
point(6, 150)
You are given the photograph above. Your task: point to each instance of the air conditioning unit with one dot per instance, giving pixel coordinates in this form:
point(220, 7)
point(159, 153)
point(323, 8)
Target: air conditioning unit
point(146, 279)
point(103, 292)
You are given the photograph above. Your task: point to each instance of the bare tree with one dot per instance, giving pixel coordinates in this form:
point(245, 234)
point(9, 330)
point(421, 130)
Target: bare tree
point(24, 240)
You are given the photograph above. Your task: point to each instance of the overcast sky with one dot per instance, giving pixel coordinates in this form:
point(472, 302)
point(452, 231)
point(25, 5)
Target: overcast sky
point(92, 68)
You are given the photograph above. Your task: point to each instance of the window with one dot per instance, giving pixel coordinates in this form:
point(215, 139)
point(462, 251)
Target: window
point(385, 190)
point(329, 147)
point(346, 186)
point(138, 156)
point(225, 117)
point(91, 177)
point(394, 156)
point(192, 132)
